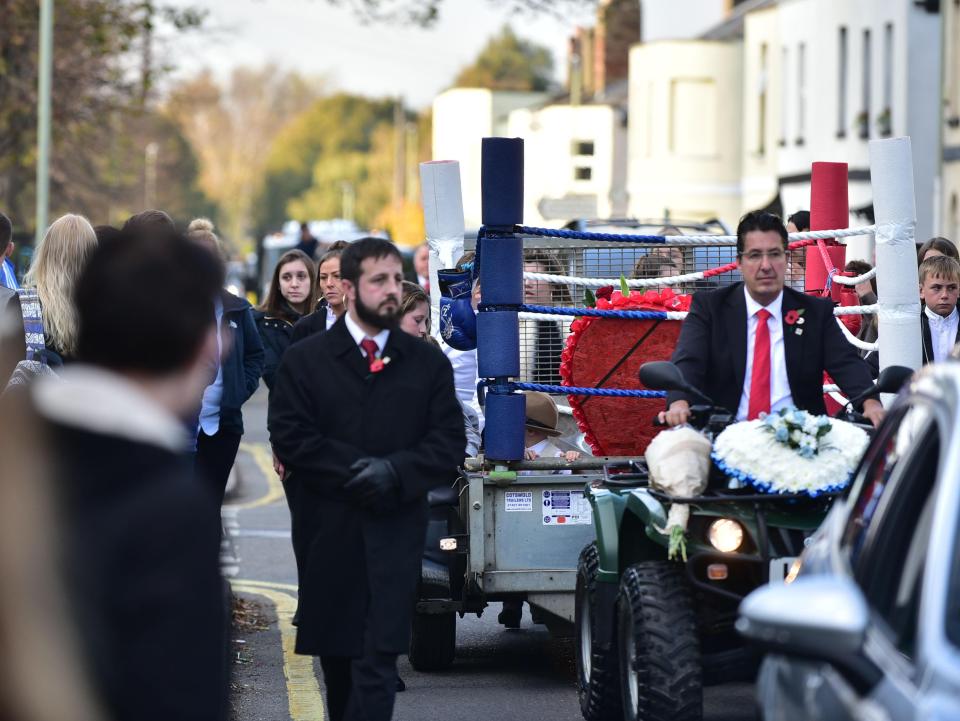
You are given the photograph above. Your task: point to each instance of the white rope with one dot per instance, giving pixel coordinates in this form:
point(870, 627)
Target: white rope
point(680, 315)
point(843, 280)
point(857, 309)
point(600, 282)
point(831, 388)
point(861, 344)
point(732, 239)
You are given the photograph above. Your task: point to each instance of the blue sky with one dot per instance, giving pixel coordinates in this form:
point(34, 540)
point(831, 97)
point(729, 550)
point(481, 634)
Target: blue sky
point(317, 38)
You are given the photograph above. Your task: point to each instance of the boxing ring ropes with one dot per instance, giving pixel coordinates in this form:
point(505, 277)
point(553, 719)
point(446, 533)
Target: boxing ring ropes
point(499, 265)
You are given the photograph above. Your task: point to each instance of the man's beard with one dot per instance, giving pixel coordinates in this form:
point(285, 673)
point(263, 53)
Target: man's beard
point(370, 316)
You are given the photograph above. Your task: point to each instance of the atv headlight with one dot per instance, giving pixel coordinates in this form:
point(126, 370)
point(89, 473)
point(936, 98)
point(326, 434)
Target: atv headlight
point(725, 535)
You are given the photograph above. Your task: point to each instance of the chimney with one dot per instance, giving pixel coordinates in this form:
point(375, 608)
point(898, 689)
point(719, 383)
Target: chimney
point(618, 28)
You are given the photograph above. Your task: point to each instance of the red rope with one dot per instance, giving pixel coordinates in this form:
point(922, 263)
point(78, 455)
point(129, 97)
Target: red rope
point(733, 266)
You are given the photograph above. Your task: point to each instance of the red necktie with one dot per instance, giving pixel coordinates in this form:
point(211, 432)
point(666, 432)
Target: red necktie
point(370, 347)
point(760, 376)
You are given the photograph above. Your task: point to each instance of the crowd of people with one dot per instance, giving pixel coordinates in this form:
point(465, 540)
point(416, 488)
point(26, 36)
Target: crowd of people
point(127, 357)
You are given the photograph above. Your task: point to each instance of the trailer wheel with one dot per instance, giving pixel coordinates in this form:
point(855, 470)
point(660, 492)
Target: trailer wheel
point(597, 678)
point(433, 641)
point(659, 652)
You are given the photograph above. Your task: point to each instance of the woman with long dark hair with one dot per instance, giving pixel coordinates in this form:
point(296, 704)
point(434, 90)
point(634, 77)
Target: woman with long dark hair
point(291, 296)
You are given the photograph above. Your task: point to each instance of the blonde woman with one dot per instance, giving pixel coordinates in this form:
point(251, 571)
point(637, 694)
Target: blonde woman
point(57, 264)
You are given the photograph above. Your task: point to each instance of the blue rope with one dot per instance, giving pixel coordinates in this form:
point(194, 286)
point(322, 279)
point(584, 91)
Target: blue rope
point(581, 391)
point(585, 235)
point(596, 312)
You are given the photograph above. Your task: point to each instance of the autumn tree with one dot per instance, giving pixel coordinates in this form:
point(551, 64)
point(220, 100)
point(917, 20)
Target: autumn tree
point(427, 12)
point(232, 128)
point(508, 62)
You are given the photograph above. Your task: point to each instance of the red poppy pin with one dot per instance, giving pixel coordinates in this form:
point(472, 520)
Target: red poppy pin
point(379, 364)
point(794, 319)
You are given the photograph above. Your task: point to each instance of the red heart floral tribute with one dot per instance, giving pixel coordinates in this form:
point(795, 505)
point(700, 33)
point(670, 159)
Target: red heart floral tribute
point(608, 353)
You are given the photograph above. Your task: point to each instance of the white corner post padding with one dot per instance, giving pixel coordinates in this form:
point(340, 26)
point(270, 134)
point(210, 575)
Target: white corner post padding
point(895, 210)
point(443, 221)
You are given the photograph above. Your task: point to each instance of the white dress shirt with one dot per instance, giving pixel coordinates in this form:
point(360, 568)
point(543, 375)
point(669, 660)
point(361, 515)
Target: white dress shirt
point(943, 333)
point(779, 385)
point(358, 334)
point(331, 318)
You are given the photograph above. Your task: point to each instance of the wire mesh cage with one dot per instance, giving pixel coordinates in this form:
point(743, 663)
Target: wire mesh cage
point(542, 340)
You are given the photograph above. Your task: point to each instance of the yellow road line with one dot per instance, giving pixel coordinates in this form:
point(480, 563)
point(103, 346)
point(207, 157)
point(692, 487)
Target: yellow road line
point(303, 691)
point(286, 587)
point(263, 457)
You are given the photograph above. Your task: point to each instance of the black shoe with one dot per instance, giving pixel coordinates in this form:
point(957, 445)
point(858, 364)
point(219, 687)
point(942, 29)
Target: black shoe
point(401, 686)
point(511, 614)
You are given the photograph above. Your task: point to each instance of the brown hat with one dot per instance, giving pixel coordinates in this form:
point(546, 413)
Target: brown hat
point(542, 413)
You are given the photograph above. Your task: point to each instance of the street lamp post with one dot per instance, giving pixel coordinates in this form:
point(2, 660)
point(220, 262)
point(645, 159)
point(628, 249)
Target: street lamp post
point(45, 82)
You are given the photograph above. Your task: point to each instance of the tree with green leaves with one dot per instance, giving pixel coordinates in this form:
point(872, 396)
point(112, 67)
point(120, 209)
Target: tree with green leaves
point(333, 142)
point(508, 62)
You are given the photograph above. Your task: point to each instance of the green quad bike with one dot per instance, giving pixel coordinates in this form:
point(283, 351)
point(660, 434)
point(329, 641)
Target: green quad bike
point(651, 631)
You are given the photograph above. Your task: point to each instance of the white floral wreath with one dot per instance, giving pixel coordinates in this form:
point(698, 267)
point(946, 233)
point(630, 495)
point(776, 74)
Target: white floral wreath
point(790, 452)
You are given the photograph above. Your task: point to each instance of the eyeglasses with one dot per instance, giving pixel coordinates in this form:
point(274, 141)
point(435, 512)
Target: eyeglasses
point(756, 256)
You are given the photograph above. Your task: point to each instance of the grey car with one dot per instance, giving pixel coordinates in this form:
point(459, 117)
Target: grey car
point(868, 624)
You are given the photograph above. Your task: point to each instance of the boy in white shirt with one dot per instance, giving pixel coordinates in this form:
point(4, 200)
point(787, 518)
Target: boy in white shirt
point(939, 321)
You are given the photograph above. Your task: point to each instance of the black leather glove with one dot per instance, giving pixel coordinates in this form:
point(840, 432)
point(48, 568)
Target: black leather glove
point(375, 484)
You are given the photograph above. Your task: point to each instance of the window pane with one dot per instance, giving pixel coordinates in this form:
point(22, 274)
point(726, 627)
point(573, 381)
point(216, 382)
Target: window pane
point(582, 173)
point(877, 474)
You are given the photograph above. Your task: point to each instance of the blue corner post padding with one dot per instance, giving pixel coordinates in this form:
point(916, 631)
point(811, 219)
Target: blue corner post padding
point(501, 181)
point(501, 273)
point(506, 415)
point(498, 344)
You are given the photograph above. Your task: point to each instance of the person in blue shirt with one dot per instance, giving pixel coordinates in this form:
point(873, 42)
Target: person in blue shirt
point(220, 425)
point(8, 275)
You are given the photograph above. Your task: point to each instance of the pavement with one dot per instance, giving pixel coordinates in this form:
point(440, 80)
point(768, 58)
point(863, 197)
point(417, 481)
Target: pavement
point(499, 674)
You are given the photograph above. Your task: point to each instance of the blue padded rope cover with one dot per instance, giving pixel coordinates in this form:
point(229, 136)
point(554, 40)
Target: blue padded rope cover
point(498, 344)
point(503, 436)
point(501, 181)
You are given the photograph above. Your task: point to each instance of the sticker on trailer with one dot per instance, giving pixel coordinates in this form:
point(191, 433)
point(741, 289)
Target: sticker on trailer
point(517, 501)
point(565, 508)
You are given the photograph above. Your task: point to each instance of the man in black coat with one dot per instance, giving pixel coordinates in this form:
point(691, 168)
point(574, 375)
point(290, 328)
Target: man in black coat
point(367, 437)
point(141, 557)
point(749, 366)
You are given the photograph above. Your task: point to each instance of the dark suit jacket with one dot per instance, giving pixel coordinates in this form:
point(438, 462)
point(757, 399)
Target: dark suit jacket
point(142, 557)
point(927, 339)
point(327, 410)
point(712, 349)
point(309, 325)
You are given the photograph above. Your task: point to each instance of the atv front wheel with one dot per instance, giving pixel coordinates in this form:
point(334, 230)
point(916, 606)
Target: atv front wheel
point(597, 678)
point(659, 652)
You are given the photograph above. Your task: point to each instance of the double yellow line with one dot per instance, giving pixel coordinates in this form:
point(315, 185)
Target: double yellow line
point(303, 691)
point(262, 456)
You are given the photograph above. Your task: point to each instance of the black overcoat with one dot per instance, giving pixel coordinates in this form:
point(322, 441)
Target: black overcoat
point(327, 410)
point(712, 349)
point(142, 558)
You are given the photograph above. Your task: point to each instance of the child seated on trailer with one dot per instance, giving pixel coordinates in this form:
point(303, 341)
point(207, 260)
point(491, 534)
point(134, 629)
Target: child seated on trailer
point(541, 425)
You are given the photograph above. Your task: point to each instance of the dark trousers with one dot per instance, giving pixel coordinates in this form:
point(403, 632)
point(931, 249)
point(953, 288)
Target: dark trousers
point(214, 459)
point(360, 689)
